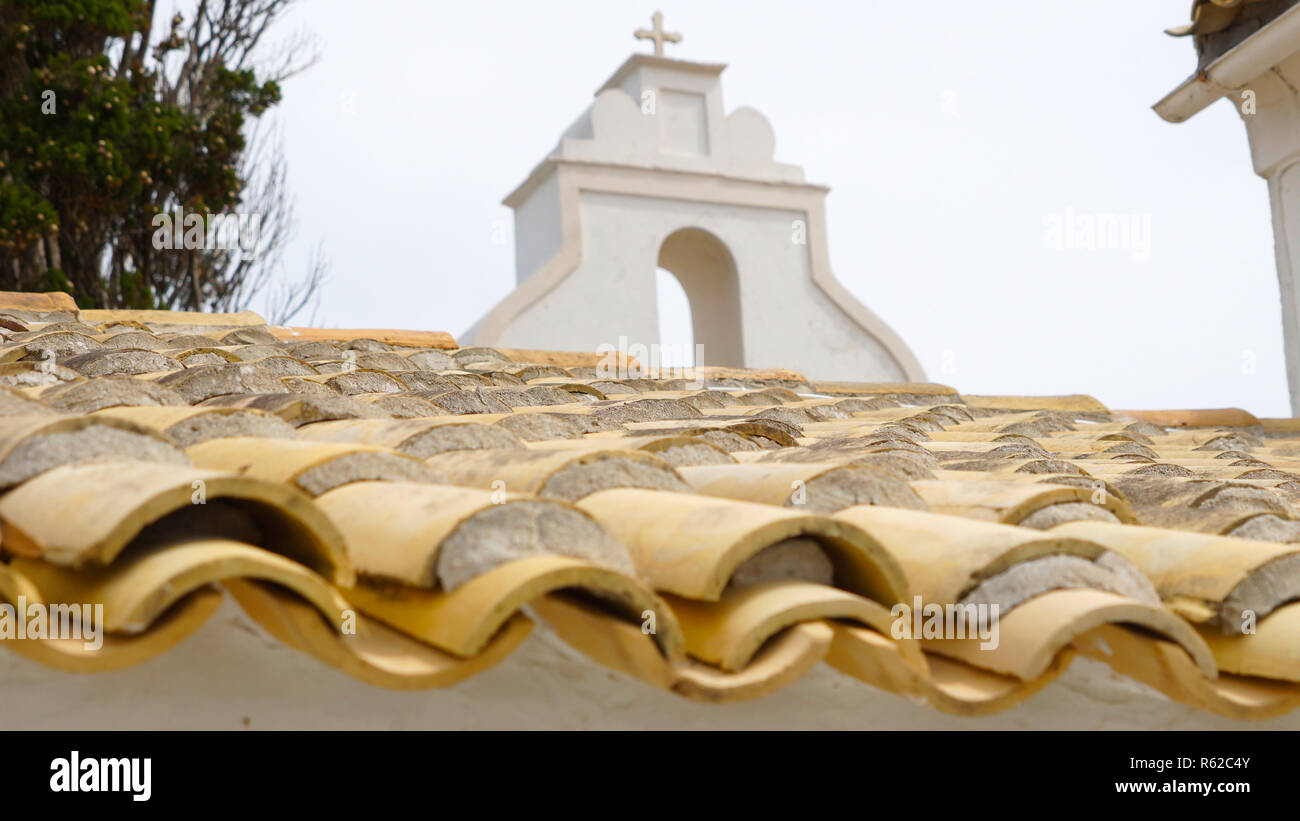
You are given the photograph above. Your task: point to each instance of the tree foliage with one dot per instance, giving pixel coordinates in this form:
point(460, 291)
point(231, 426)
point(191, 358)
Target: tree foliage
point(107, 122)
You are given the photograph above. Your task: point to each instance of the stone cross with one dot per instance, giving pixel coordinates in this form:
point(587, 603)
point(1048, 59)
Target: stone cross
point(658, 34)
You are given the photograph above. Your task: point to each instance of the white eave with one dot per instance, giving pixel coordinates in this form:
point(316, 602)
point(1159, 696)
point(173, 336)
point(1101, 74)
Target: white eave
point(547, 166)
point(1234, 69)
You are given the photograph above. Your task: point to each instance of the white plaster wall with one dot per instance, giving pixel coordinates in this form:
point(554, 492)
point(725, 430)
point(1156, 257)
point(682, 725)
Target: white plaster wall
point(622, 131)
point(621, 236)
point(664, 82)
point(1273, 127)
point(1284, 194)
point(230, 675)
point(538, 231)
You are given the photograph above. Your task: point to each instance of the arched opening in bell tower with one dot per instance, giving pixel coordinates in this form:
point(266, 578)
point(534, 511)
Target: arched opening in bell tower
point(704, 267)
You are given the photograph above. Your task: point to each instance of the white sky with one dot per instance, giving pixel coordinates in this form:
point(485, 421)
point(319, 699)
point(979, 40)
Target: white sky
point(951, 132)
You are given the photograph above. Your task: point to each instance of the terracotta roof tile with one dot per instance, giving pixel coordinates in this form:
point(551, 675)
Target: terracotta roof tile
point(447, 497)
point(414, 339)
point(53, 301)
point(1219, 417)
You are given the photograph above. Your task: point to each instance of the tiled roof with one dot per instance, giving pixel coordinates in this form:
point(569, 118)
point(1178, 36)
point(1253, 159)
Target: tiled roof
point(1220, 25)
point(406, 511)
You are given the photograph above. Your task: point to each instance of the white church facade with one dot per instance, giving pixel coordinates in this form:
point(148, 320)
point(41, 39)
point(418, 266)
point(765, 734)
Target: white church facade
point(655, 174)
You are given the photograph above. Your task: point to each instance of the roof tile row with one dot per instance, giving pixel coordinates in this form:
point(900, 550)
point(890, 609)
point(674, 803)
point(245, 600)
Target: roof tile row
point(404, 510)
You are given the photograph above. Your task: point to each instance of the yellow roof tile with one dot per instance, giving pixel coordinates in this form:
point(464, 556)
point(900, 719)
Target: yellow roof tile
point(714, 538)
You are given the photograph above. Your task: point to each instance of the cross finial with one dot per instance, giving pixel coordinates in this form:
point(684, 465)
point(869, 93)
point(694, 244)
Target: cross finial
point(658, 34)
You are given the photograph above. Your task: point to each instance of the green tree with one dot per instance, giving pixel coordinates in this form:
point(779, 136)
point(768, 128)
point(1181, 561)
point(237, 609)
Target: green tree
point(105, 124)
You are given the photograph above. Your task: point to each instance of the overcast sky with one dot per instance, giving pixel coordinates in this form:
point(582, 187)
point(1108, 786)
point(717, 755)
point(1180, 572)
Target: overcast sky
point(956, 137)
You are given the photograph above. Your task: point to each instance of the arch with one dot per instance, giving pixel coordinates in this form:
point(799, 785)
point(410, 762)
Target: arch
point(707, 272)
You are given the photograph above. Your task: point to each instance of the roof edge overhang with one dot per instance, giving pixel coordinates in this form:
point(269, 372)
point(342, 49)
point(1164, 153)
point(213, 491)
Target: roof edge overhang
point(547, 166)
point(1252, 57)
